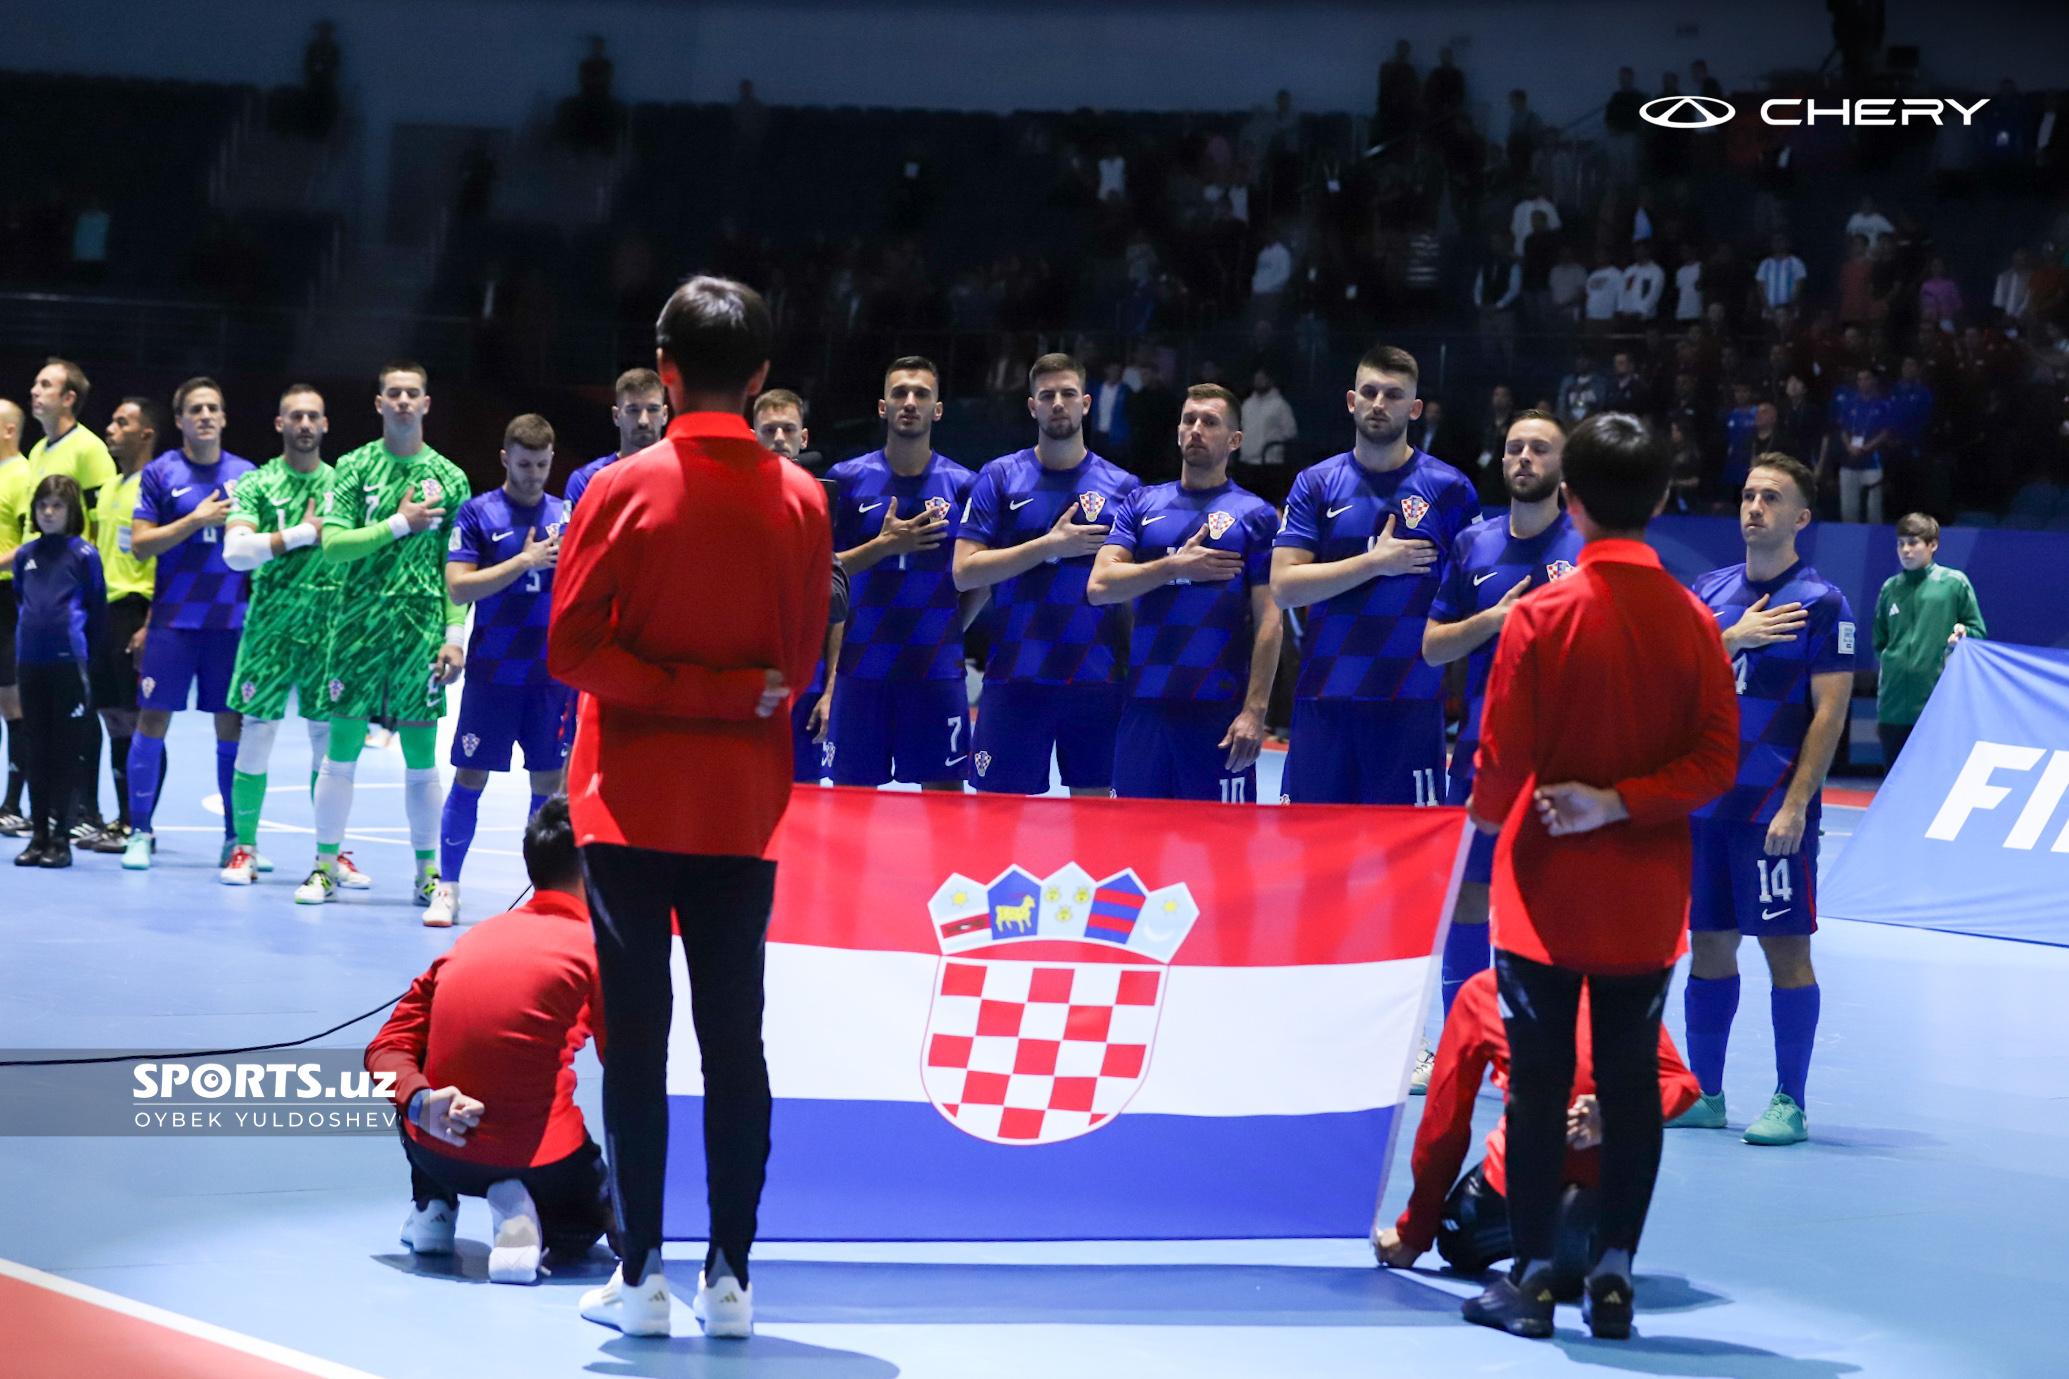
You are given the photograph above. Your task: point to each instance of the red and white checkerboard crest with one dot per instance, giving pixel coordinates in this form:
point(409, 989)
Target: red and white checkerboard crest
point(1090, 502)
point(1026, 1051)
point(1559, 569)
point(1415, 509)
point(938, 508)
point(1218, 524)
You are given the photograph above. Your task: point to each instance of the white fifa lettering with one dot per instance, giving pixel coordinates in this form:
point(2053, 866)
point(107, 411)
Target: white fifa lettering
point(1972, 789)
point(2046, 795)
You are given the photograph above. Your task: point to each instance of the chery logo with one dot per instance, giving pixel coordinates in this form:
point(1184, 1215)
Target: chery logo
point(1707, 112)
point(1687, 112)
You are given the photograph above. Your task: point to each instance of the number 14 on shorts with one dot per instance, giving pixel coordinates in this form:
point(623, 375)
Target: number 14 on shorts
point(1774, 879)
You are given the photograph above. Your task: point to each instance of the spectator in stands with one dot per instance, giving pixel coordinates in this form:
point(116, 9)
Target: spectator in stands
point(1627, 389)
point(1496, 287)
point(1638, 296)
point(1688, 284)
point(589, 119)
point(1426, 432)
point(1524, 219)
point(1687, 404)
point(1797, 415)
point(1705, 85)
point(1862, 432)
point(1152, 423)
point(2048, 288)
point(1727, 283)
point(1526, 133)
point(1443, 94)
point(321, 61)
point(1869, 223)
point(2013, 294)
point(1685, 488)
point(1620, 118)
point(1268, 422)
point(1110, 412)
point(1400, 95)
point(1268, 280)
point(1582, 392)
point(1939, 297)
point(1910, 418)
point(1605, 288)
point(1857, 282)
point(1922, 613)
point(1740, 422)
point(1566, 286)
point(1113, 176)
point(1780, 275)
point(1494, 438)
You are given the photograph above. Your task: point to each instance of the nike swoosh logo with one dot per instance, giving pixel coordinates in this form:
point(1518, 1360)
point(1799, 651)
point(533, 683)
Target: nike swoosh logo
point(1015, 507)
point(501, 535)
point(1334, 512)
point(1158, 518)
point(871, 508)
point(953, 760)
point(1774, 914)
point(1479, 580)
point(178, 491)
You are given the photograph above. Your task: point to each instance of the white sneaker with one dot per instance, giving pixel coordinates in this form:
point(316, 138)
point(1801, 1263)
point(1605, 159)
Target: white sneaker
point(726, 1309)
point(514, 1233)
point(350, 876)
point(320, 889)
point(444, 910)
point(1419, 1084)
point(639, 1310)
point(242, 868)
point(430, 1231)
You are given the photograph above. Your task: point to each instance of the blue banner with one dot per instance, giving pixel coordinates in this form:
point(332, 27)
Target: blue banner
point(1968, 833)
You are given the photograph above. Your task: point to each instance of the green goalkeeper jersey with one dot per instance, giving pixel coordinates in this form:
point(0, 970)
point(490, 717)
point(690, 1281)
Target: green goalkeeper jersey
point(365, 490)
point(292, 593)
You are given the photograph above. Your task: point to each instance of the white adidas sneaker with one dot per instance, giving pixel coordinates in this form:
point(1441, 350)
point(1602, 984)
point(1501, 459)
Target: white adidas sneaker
point(638, 1310)
point(430, 1231)
point(724, 1309)
point(443, 911)
point(515, 1234)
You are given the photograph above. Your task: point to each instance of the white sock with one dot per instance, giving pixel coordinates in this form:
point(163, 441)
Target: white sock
point(319, 738)
point(1616, 1263)
point(422, 800)
point(333, 800)
point(255, 744)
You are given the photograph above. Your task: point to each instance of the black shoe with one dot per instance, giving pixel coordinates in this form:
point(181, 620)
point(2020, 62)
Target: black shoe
point(1606, 1308)
point(88, 828)
point(111, 839)
point(1507, 1306)
point(13, 825)
point(56, 853)
point(32, 855)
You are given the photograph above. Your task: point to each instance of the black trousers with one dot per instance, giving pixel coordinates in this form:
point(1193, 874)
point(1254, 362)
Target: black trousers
point(1543, 1005)
point(1893, 736)
point(722, 906)
point(1475, 1230)
point(55, 720)
point(569, 1193)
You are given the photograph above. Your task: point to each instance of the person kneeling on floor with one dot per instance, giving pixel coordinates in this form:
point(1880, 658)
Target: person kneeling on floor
point(483, 1050)
point(1467, 1218)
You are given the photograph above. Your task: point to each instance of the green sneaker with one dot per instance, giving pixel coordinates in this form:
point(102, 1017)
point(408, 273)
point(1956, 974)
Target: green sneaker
point(427, 886)
point(1706, 1114)
point(1781, 1123)
point(136, 853)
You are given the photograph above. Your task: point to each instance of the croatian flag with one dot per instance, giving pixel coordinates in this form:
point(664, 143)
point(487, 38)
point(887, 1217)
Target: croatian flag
point(994, 1018)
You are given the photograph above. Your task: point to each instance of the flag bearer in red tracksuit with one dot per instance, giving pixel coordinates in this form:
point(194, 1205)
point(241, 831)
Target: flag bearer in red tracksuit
point(1611, 714)
point(690, 602)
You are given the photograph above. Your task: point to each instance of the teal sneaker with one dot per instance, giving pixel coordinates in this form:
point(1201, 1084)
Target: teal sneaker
point(136, 853)
point(261, 860)
point(1781, 1123)
point(1419, 1083)
point(1706, 1114)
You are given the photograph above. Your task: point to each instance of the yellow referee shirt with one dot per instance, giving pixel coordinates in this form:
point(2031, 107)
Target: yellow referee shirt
point(78, 454)
point(14, 501)
point(111, 523)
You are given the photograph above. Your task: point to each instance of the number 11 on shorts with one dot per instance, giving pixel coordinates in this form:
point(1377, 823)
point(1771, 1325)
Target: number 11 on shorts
point(1426, 791)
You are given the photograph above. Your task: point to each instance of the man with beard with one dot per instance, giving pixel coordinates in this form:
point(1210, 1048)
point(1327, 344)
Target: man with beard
point(641, 413)
point(1030, 531)
point(778, 417)
point(1363, 542)
point(901, 710)
point(1494, 562)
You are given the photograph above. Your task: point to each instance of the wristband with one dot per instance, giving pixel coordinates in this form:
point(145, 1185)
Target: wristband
point(299, 535)
point(456, 637)
point(398, 526)
point(415, 1113)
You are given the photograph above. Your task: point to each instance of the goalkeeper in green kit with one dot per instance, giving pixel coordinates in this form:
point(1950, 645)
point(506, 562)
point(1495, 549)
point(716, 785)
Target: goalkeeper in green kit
point(396, 640)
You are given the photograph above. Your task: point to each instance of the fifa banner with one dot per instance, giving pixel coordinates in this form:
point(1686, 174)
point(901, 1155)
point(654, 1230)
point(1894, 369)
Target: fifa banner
point(1968, 832)
point(998, 1018)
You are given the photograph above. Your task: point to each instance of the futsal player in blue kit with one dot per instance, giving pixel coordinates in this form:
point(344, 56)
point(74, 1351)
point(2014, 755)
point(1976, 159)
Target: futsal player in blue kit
point(500, 558)
point(1035, 520)
point(197, 610)
point(1494, 562)
point(901, 710)
point(1362, 546)
point(1790, 635)
point(1195, 556)
point(778, 417)
point(640, 412)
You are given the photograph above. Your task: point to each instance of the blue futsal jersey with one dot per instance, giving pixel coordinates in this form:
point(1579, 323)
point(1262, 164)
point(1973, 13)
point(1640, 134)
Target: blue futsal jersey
point(509, 642)
point(571, 492)
point(1366, 642)
point(1774, 682)
point(904, 617)
point(195, 589)
point(1193, 641)
point(1045, 631)
point(1487, 562)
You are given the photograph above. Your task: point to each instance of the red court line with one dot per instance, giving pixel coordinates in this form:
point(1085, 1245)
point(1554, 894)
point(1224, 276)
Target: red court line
point(1852, 799)
point(58, 1329)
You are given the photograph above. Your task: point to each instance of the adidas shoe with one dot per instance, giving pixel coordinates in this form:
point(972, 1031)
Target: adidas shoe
point(724, 1309)
point(639, 1309)
point(350, 876)
point(1783, 1122)
point(443, 910)
point(112, 839)
point(1606, 1308)
point(239, 870)
point(1521, 1309)
point(13, 825)
point(320, 889)
point(136, 852)
point(514, 1233)
point(1706, 1114)
point(426, 889)
point(429, 1231)
point(1419, 1084)
point(88, 828)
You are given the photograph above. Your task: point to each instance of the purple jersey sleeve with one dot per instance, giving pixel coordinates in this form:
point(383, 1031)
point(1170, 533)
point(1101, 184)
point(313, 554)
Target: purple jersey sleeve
point(981, 512)
point(1301, 527)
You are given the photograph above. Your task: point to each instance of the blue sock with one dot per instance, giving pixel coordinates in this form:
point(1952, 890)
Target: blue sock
point(456, 830)
point(146, 767)
point(1795, 1012)
point(226, 782)
point(1710, 1004)
point(537, 800)
point(1465, 952)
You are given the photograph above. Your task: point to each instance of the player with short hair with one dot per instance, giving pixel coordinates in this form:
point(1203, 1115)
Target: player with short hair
point(779, 424)
point(197, 606)
point(132, 434)
point(901, 709)
point(1364, 543)
point(500, 559)
point(273, 532)
point(1034, 523)
point(1790, 635)
point(396, 641)
point(640, 412)
point(1494, 562)
point(1195, 556)
point(14, 469)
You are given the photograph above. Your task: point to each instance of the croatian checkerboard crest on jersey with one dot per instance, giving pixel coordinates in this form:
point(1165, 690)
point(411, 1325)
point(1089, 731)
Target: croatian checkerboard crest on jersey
point(1090, 503)
point(1218, 524)
point(1032, 1051)
point(1415, 509)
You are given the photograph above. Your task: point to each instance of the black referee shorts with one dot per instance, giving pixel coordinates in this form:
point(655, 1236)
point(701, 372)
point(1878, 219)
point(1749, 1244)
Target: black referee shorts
point(114, 671)
point(7, 621)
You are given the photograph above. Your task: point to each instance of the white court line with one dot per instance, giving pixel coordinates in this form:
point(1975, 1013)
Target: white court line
point(351, 836)
point(143, 1311)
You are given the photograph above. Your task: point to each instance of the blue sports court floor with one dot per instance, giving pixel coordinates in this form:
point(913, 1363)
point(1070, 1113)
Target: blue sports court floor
point(1920, 1232)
